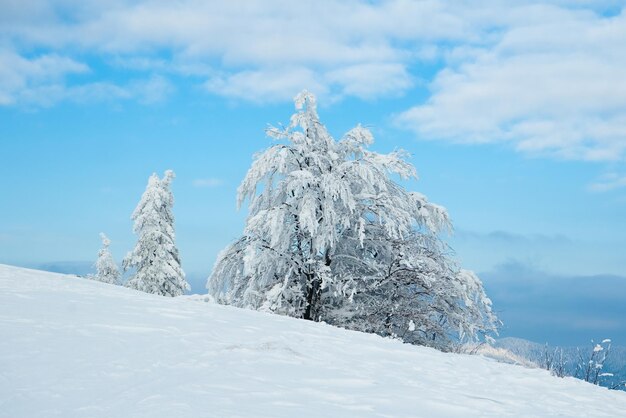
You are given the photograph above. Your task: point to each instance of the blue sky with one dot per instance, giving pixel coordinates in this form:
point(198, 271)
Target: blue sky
point(515, 117)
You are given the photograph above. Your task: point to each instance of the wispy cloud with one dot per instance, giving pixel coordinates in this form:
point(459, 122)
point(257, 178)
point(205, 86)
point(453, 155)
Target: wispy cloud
point(569, 254)
point(208, 182)
point(265, 85)
point(514, 238)
point(608, 182)
point(19, 76)
point(152, 90)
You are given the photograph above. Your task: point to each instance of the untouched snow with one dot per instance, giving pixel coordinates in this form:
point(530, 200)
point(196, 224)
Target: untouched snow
point(70, 347)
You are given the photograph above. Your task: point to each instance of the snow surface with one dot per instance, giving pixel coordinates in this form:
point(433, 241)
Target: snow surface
point(71, 347)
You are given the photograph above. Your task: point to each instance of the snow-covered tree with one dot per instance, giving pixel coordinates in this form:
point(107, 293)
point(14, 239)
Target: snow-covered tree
point(155, 258)
point(410, 289)
point(331, 236)
point(312, 185)
point(106, 269)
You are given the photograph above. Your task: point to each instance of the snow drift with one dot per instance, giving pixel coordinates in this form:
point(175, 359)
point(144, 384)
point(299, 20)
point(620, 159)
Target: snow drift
point(70, 347)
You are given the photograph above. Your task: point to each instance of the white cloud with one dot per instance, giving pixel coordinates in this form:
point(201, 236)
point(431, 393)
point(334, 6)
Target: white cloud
point(266, 85)
point(366, 81)
point(148, 91)
point(551, 86)
point(155, 89)
point(256, 51)
point(208, 182)
point(19, 74)
point(544, 76)
point(371, 80)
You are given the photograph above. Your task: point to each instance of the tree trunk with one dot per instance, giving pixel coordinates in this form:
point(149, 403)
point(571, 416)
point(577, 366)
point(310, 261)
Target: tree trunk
point(313, 298)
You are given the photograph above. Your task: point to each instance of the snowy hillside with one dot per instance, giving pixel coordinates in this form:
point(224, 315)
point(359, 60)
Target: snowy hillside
point(70, 347)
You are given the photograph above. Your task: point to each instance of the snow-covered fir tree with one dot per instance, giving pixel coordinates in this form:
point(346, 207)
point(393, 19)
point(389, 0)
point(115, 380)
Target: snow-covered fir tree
point(106, 269)
point(155, 258)
point(330, 236)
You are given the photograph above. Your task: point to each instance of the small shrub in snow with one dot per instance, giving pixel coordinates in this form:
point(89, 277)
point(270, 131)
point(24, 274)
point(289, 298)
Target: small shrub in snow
point(554, 361)
point(106, 269)
point(590, 367)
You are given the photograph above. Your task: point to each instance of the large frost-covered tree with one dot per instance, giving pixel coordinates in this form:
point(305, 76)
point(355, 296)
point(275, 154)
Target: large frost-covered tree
point(106, 269)
point(155, 258)
point(331, 236)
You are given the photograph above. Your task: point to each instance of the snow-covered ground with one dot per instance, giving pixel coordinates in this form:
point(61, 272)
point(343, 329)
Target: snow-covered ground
point(70, 347)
